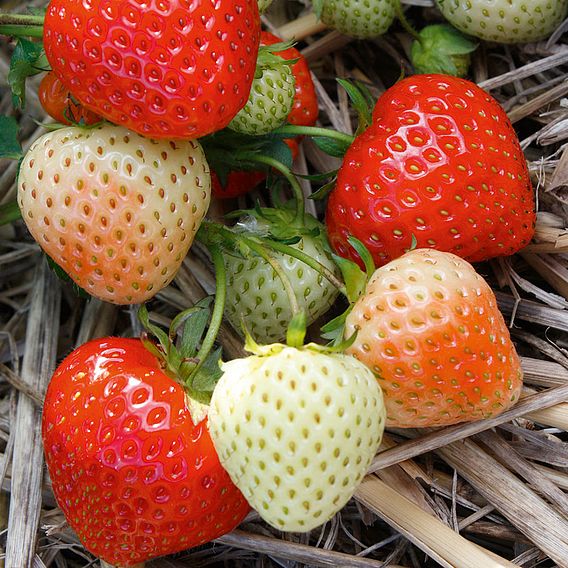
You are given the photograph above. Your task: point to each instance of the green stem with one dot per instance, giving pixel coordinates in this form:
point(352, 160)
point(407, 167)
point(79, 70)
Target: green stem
point(292, 180)
point(9, 212)
point(404, 22)
point(310, 261)
point(206, 235)
point(218, 307)
point(314, 131)
point(21, 25)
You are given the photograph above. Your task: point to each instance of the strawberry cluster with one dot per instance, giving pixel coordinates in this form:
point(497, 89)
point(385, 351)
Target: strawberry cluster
point(155, 445)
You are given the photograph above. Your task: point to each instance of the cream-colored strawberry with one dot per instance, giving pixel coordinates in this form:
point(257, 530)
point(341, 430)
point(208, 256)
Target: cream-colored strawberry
point(117, 211)
point(429, 327)
point(296, 428)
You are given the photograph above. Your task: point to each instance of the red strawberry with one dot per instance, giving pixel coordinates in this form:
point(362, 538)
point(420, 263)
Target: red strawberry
point(429, 327)
point(169, 69)
point(440, 162)
point(238, 182)
point(305, 109)
point(57, 101)
point(133, 474)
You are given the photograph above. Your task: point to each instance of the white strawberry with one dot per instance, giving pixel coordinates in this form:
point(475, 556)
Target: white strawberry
point(505, 21)
point(296, 428)
point(117, 211)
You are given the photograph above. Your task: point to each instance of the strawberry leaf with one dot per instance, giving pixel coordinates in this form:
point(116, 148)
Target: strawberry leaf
point(317, 7)
point(355, 279)
point(331, 146)
point(9, 146)
point(324, 190)
point(362, 100)
point(64, 277)
point(9, 212)
point(209, 373)
point(28, 59)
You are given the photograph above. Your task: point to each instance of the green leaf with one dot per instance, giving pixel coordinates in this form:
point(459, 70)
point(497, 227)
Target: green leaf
point(318, 177)
point(355, 279)
point(28, 59)
point(209, 373)
point(334, 329)
point(360, 101)
point(364, 255)
point(9, 212)
point(413, 244)
point(277, 149)
point(331, 146)
point(195, 325)
point(158, 332)
point(9, 146)
point(324, 190)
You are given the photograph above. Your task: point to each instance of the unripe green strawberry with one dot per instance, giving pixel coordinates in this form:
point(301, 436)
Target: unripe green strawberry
point(296, 429)
point(271, 96)
point(505, 21)
point(117, 211)
point(257, 297)
point(357, 18)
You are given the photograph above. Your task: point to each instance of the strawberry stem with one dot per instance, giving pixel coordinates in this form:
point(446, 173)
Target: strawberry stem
point(292, 180)
point(290, 130)
point(21, 25)
point(218, 308)
point(310, 261)
point(404, 22)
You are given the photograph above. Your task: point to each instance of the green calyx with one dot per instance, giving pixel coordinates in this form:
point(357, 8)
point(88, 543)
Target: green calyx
point(295, 337)
point(190, 358)
point(442, 49)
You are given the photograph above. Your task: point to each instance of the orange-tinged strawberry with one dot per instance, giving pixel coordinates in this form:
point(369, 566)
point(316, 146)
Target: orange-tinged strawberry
point(429, 327)
point(117, 211)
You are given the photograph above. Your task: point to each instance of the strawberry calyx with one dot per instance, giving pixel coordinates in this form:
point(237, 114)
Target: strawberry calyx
point(267, 57)
point(442, 49)
point(191, 360)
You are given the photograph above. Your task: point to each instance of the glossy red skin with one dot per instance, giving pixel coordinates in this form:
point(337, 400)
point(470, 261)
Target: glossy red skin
point(440, 161)
point(241, 182)
point(305, 109)
point(163, 68)
point(57, 102)
point(133, 475)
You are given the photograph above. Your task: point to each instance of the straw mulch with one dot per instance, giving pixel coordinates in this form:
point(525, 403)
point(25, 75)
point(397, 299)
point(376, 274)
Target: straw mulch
point(487, 494)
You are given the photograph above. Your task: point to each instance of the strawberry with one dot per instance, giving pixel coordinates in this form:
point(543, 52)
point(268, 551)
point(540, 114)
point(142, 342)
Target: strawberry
point(271, 97)
point(58, 103)
point(258, 296)
point(118, 212)
point(429, 327)
point(133, 469)
point(357, 18)
point(505, 21)
point(237, 183)
point(441, 163)
point(167, 70)
point(305, 109)
point(296, 428)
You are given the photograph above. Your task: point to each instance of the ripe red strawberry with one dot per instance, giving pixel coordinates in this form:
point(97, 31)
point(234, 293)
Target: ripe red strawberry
point(58, 103)
point(429, 327)
point(117, 211)
point(305, 109)
point(440, 162)
point(174, 69)
point(134, 475)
